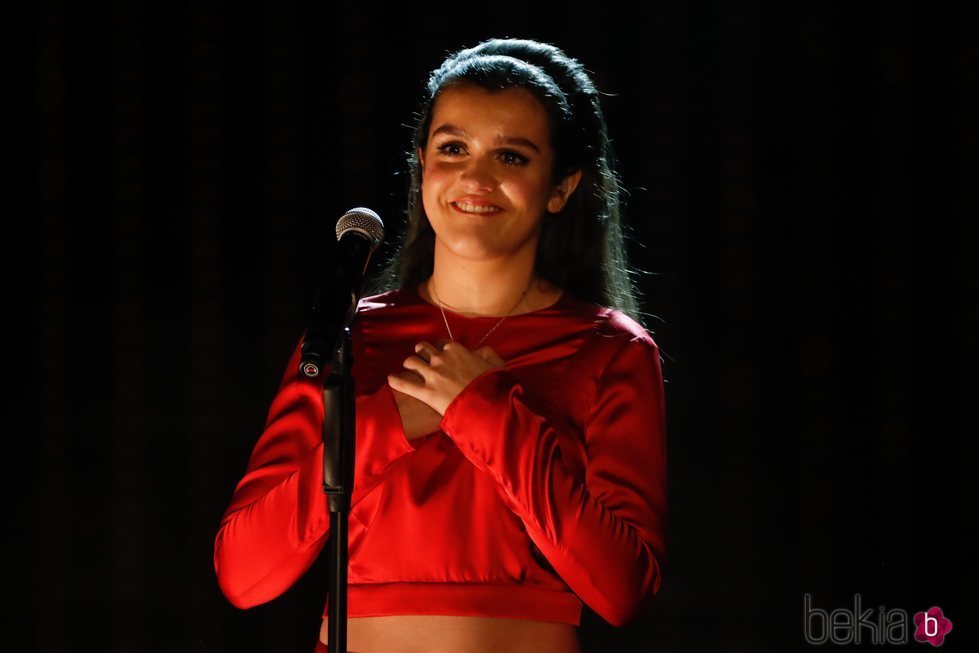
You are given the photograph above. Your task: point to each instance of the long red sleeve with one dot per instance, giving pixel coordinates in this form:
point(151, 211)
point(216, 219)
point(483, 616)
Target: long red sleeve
point(277, 522)
point(605, 533)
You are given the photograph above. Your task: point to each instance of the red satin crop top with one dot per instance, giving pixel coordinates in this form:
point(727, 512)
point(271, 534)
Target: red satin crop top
point(544, 488)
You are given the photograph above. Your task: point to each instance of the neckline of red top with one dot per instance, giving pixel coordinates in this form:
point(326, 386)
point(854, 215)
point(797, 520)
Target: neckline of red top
point(561, 303)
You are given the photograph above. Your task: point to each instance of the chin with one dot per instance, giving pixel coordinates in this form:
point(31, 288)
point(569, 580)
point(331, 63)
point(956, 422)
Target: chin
point(473, 247)
point(475, 252)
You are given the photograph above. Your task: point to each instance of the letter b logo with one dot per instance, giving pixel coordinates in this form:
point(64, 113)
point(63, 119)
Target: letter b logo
point(814, 619)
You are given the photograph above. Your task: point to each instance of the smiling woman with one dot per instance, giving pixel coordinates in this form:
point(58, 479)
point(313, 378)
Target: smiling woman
point(511, 447)
point(489, 158)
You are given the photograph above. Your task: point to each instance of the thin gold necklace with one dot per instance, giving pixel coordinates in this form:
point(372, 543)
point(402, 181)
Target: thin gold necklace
point(449, 329)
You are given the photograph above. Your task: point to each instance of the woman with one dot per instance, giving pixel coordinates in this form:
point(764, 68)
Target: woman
point(511, 461)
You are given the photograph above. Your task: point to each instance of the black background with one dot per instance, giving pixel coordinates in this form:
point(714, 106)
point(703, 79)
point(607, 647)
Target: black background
point(802, 186)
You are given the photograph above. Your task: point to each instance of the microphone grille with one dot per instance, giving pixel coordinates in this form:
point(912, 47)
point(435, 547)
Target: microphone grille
point(364, 221)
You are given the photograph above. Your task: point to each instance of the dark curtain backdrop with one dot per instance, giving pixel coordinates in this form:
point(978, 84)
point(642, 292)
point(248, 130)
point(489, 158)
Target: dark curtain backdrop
point(802, 183)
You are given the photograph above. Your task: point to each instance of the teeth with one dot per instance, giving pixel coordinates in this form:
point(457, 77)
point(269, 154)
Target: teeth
point(475, 208)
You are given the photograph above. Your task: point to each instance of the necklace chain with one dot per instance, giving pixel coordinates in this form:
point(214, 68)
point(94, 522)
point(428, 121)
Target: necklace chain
point(449, 329)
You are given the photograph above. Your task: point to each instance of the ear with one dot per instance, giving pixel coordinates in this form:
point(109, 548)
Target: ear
point(421, 157)
point(563, 191)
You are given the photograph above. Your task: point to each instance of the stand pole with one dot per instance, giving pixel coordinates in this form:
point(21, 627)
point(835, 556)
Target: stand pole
point(339, 440)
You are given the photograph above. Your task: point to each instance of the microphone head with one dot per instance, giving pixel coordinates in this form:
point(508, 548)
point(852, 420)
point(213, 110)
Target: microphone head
point(363, 221)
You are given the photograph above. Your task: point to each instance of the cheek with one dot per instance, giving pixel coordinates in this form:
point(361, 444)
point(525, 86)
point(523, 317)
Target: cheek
point(433, 180)
point(533, 193)
point(429, 195)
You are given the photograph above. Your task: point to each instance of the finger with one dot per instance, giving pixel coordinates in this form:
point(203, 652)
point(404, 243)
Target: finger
point(417, 364)
point(398, 382)
point(485, 352)
point(407, 382)
point(490, 356)
point(425, 351)
point(455, 346)
point(411, 384)
point(409, 376)
point(441, 343)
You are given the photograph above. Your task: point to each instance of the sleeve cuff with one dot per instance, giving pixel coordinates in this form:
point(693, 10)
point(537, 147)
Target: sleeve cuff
point(483, 394)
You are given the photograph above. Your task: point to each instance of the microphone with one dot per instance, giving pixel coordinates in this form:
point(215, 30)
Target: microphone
point(359, 233)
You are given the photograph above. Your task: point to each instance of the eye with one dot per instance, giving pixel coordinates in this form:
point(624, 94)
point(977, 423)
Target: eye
point(512, 158)
point(450, 148)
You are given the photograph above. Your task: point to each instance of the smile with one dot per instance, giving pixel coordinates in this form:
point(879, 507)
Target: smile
point(467, 207)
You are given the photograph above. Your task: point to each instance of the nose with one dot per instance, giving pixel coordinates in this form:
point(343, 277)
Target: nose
point(477, 175)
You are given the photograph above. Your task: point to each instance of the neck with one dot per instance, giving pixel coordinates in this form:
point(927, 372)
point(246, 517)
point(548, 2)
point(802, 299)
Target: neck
point(483, 288)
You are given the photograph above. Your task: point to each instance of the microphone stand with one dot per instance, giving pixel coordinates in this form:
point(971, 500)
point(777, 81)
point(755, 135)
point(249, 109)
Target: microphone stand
point(339, 438)
point(334, 309)
point(339, 449)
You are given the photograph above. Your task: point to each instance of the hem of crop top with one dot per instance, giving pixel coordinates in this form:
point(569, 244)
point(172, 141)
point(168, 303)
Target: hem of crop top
point(460, 599)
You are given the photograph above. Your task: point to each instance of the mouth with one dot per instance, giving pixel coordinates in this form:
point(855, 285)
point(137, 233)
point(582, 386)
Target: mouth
point(470, 208)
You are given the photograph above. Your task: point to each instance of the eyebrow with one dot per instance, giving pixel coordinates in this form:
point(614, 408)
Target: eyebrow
point(458, 131)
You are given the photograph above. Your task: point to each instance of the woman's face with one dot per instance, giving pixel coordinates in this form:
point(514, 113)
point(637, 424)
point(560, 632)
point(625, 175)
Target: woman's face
point(486, 172)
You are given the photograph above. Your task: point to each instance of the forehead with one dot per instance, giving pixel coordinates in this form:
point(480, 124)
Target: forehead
point(511, 112)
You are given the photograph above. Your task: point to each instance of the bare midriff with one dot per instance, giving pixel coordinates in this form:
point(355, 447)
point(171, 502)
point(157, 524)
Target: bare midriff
point(445, 634)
